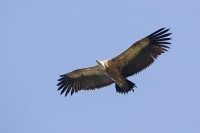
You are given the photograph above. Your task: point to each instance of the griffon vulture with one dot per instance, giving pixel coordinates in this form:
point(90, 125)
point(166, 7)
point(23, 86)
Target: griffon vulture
point(116, 70)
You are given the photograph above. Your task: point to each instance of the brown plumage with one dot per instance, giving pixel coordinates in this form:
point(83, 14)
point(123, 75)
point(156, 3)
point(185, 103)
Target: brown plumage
point(135, 59)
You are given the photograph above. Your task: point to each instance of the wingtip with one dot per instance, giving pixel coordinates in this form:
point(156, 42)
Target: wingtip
point(161, 36)
point(164, 28)
point(62, 75)
point(158, 31)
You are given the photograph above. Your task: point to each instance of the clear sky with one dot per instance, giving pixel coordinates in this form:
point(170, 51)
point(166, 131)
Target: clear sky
point(41, 39)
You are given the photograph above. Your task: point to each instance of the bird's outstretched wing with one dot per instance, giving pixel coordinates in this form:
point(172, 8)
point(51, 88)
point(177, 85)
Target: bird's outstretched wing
point(83, 79)
point(143, 53)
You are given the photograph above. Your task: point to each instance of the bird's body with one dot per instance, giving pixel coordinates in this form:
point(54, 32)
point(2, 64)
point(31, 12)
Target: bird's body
point(113, 71)
point(116, 70)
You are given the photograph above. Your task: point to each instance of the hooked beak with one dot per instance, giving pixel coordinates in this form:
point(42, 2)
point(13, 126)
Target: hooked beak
point(99, 62)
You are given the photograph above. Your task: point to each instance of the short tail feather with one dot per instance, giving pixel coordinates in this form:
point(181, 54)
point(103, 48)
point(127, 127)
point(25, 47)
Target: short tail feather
point(131, 85)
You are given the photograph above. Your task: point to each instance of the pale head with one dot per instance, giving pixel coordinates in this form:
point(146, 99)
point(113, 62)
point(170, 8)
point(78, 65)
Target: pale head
point(101, 63)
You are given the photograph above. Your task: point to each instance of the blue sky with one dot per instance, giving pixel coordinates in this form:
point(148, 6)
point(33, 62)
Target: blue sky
point(41, 39)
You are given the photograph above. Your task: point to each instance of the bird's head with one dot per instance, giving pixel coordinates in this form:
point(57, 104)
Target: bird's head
point(101, 64)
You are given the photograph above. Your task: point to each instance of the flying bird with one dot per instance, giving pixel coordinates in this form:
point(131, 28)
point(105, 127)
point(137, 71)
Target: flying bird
point(116, 70)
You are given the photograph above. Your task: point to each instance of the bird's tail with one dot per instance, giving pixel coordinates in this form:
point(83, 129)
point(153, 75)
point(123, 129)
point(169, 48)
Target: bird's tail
point(124, 90)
